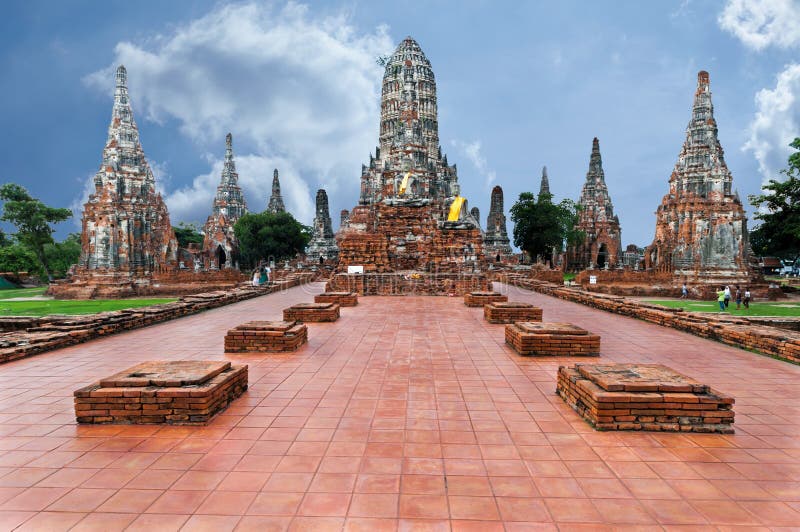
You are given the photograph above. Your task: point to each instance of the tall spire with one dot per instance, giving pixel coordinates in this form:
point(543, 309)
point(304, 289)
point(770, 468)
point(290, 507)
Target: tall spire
point(229, 200)
point(275, 204)
point(596, 162)
point(229, 174)
point(544, 187)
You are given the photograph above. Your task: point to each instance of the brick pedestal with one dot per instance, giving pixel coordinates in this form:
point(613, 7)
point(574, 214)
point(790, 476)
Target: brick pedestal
point(505, 312)
point(182, 392)
point(556, 339)
point(266, 337)
point(479, 299)
point(312, 312)
point(343, 299)
point(644, 397)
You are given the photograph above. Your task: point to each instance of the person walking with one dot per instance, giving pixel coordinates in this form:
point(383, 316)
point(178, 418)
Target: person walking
point(684, 291)
point(255, 278)
point(746, 299)
point(721, 299)
point(738, 295)
point(727, 295)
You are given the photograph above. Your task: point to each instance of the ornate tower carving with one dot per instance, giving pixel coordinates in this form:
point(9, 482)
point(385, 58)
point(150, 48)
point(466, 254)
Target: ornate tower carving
point(495, 238)
point(700, 224)
point(276, 200)
point(602, 245)
point(322, 246)
point(220, 246)
point(126, 227)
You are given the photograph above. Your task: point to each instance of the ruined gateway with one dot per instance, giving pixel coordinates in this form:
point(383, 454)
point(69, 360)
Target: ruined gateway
point(701, 228)
point(408, 188)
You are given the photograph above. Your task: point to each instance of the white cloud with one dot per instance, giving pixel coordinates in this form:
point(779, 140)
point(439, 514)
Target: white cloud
point(300, 91)
point(776, 123)
point(762, 23)
point(472, 151)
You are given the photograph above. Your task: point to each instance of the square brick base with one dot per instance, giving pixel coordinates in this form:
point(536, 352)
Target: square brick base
point(312, 312)
point(479, 299)
point(510, 312)
point(556, 339)
point(266, 337)
point(343, 299)
point(182, 392)
point(643, 397)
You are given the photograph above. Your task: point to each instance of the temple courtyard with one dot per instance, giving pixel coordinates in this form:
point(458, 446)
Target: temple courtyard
point(407, 413)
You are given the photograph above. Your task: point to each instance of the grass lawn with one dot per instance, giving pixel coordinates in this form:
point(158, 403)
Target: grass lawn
point(772, 308)
point(22, 292)
point(43, 307)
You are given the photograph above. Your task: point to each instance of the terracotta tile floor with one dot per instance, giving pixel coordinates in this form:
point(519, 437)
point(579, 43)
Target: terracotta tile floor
point(407, 413)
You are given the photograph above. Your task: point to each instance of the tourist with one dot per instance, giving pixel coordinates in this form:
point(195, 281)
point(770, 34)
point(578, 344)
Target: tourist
point(268, 270)
point(255, 278)
point(721, 299)
point(727, 296)
point(684, 292)
point(263, 276)
point(738, 297)
point(746, 299)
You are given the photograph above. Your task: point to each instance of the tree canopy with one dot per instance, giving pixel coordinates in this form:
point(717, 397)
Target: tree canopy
point(541, 226)
point(778, 210)
point(32, 218)
point(187, 234)
point(266, 235)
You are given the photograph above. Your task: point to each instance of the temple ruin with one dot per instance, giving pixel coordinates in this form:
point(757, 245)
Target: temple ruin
point(496, 244)
point(602, 244)
point(410, 218)
point(220, 246)
point(544, 184)
point(322, 246)
point(701, 228)
point(275, 204)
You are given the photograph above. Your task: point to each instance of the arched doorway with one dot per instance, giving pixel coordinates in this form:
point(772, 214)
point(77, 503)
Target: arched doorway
point(221, 257)
point(602, 256)
point(497, 258)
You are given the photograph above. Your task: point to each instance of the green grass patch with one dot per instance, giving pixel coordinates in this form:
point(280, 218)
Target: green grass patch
point(771, 308)
point(569, 276)
point(44, 307)
point(11, 293)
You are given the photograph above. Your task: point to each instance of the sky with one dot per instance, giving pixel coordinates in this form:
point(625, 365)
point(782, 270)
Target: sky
point(520, 85)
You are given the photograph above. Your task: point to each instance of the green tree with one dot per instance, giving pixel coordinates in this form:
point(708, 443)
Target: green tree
point(778, 210)
point(541, 226)
point(188, 234)
point(267, 235)
point(18, 258)
point(32, 218)
point(62, 255)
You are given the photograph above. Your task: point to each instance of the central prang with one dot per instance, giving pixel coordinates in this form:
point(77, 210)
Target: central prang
point(410, 217)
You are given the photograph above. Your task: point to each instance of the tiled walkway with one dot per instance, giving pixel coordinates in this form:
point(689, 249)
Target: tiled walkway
point(407, 413)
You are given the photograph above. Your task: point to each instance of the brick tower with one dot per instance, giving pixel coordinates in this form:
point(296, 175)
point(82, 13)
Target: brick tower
point(602, 246)
point(701, 228)
point(220, 247)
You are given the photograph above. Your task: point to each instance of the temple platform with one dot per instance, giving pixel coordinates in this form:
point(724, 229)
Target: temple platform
point(551, 339)
point(312, 312)
point(479, 299)
point(510, 312)
point(266, 337)
point(649, 397)
point(409, 283)
point(343, 299)
point(179, 392)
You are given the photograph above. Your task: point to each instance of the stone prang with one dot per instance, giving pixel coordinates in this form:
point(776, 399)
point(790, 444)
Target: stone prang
point(544, 185)
point(126, 226)
point(275, 204)
point(602, 245)
point(220, 247)
point(495, 238)
point(701, 227)
point(322, 246)
point(402, 221)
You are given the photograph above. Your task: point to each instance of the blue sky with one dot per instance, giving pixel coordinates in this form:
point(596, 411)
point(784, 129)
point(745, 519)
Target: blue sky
point(520, 85)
